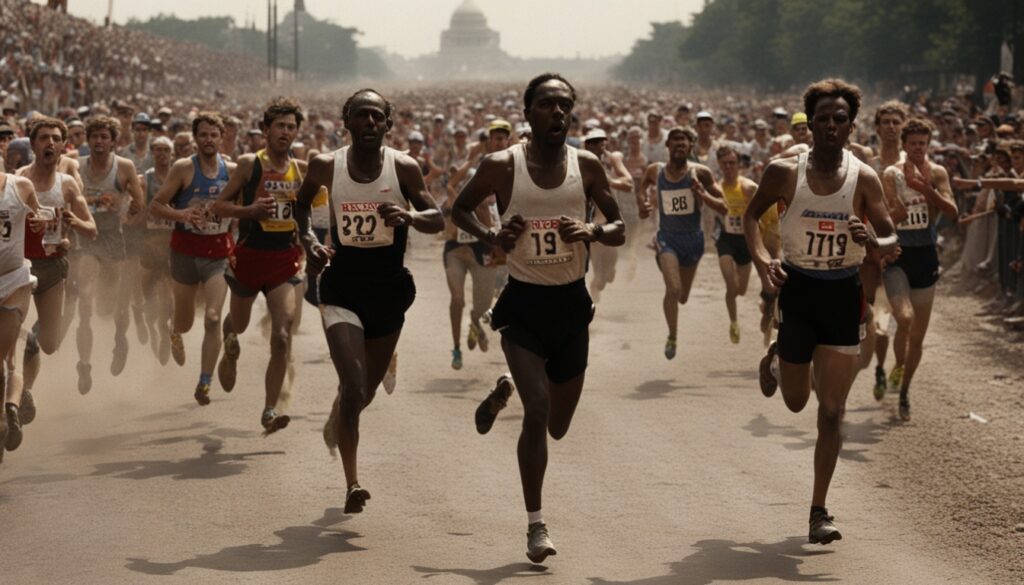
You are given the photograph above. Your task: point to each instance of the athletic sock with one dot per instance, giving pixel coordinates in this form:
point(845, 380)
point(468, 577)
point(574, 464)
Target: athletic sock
point(205, 378)
point(534, 517)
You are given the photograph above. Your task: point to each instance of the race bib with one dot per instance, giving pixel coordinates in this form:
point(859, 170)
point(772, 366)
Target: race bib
point(6, 227)
point(464, 237)
point(360, 226)
point(155, 223)
point(677, 202)
point(283, 217)
point(540, 244)
point(53, 233)
point(917, 215)
point(103, 202)
point(211, 224)
point(734, 224)
point(827, 241)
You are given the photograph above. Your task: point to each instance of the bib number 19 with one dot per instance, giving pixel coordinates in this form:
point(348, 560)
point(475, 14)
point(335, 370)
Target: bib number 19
point(545, 244)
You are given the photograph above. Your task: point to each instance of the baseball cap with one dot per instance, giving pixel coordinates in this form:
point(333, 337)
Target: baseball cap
point(415, 136)
point(141, 118)
point(499, 124)
point(439, 117)
point(164, 110)
point(595, 134)
point(704, 115)
point(255, 132)
point(461, 130)
point(798, 118)
point(5, 129)
point(760, 124)
point(779, 112)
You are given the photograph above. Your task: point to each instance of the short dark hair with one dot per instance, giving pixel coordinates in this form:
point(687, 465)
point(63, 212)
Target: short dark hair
point(531, 88)
point(690, 134)
point(283, 106)
point(211, 118)
point(836, 88)
point(917, 126)
point(346, 108)
point(40, 122)
point(726, 150)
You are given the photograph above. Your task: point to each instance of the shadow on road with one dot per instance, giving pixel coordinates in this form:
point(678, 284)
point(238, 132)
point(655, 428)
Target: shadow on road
point(211, 464)
point(719, 561)
point(300, 546)
point(653, 389)
point(487, 576)
point(106, 443)
point(455, 386)
point(865, 432)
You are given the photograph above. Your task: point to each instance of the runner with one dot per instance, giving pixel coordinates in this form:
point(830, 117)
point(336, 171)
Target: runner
point(365, 289)
point(682, 191)
point(200, 243)
point(604, 257)
point(917, 192)
point(821, 301)
point(17, 203)
point(543, 190)
point(62, 206)
point(99, 268)
point(733, 255)
point(261, 194)
point(154, 255)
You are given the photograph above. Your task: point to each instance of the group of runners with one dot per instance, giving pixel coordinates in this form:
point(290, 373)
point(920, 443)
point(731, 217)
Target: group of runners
point(524, 215)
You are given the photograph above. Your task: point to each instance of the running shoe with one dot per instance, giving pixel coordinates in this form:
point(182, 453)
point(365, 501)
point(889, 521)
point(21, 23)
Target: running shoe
point(482, 339)
point(14, 434)
point(538, 543)
point(456, 359)
point(140, 325)
point(391, 375)
point(769, 383)
point(904, 407)
point(670, 348)
point(355, 499)
point(202, 394)
point(822, 530)
point(273, 422)
point(120, 355)
point(331, 430)
point(27, 409)
point(471, 337)
point(178, 348)
point(84, 378)
point(896, 378)
point(734, 332)
point(493, 404)
point(227, 369)
point(879, 390)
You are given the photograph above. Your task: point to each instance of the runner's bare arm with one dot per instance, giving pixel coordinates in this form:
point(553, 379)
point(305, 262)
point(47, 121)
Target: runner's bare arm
point(227, 205)
point(132, 185)
point(708, 190)
point(874, 208)
point(425, 216)
point(1000, 184)
point(649, 179)
point(76, 211)
point(941, 196)
point(177, 178)
point(319, 174)
point(27, 192)
point(595, 185)
point(769, 192)
point(622, 180)
point(493, 177)
point(897, 210)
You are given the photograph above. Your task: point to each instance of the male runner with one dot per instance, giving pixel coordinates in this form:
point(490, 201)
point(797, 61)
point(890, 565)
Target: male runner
point(543, 190)
point(821, 303)
point(365, 289)
point(60, 193)
point(154, 254)
point(733, 254)
point(917, 192)
point(112, 191)
point(261, 194)
point(200, 243)
point(138, 151)
point(604, 257)
point(683, 189)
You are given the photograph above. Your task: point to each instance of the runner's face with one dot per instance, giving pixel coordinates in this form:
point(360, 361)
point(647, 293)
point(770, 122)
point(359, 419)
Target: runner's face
point(100, 141)
point(367, 122)
point(182, 147)
point(916, 147)
point(679, 146)
point(596, 146)
point(889, 127)
point(48, 145)
point(704, 128)
point(140, 132)
point(801, 133)
point(208, 139)
point(76, 135)
point(282, 132)
point(831, 124)
point(161, 155)
point(549, 114)
point(730, 167)
point(497, 141)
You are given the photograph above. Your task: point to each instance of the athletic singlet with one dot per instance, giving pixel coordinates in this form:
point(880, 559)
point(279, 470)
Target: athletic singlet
point(363, 244)
point(917, 229)
point(815, 235)
point(105, 196)
point(277, 232)
point(678, 206)
point(153, 185)
point(736, 201)
point(540, 255)
point(320, 210)
point(212, 240)
point(52, 197)
point(13, 212)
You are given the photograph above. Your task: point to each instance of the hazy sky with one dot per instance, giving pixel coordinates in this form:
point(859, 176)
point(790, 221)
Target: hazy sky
point(529, 28)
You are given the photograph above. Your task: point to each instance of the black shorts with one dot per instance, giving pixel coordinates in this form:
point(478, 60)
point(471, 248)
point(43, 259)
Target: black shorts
point(734, 245)
point(379, 302)
point(550, 321)
point(920, 264)
point(815, 311)
point(49, 272)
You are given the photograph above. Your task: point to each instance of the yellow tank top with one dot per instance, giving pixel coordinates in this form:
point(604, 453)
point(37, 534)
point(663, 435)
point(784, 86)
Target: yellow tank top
point(737, 204)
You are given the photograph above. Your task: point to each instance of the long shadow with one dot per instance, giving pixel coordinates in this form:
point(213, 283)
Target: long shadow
point(866, 432)
point(300, 546)
point(717, 561)
point(204, 439)
point(653, 389)
point(487, 576)
point(211, 464)
point(106, 443)
point(40, 479)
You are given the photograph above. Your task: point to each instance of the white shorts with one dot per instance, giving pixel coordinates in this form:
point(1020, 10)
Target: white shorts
point(15, 279)
point(333, 315)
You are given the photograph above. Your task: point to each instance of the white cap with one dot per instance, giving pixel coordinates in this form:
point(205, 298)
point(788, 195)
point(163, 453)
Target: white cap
point(415, 136)
point(595, 134)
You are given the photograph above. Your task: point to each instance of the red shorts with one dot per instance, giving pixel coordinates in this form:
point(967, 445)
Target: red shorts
point(251, 271)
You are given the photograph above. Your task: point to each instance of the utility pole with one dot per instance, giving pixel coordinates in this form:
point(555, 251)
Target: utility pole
point(275, 41)
point(295, 16)
point(270, 52)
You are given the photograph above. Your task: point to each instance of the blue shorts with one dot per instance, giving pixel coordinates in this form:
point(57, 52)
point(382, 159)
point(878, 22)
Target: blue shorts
point(687, 247)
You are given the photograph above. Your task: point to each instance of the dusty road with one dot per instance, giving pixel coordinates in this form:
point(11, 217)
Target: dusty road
point(673, 473)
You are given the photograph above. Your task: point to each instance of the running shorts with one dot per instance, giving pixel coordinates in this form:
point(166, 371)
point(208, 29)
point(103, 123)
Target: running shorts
point(815, 311)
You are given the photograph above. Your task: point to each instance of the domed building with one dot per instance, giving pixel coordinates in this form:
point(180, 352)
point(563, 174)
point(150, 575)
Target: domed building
point(470, 48)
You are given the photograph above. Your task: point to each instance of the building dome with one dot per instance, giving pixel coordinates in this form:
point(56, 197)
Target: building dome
point(468, 31)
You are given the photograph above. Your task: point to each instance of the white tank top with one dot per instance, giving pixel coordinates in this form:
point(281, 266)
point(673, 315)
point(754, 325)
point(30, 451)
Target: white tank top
point(540, 255)
point(355, 204)
point(815, 234)
point(12, 228)
point(104, 196)
point(54, 197)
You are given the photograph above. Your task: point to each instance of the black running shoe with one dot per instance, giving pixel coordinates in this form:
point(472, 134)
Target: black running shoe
point(768, 382)
point(822, 530)
point(880, 383)
point(355, 499)
point(904, 407)
point(273, 422)
point(27, 409)
point(493, 404)
point(14, 434)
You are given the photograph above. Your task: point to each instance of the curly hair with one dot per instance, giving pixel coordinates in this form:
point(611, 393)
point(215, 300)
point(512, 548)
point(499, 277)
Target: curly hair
point(101, 122)
point(211, 118)
point(835, 88)
point(282, 106)
point(40, 122)
point(917, 126)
